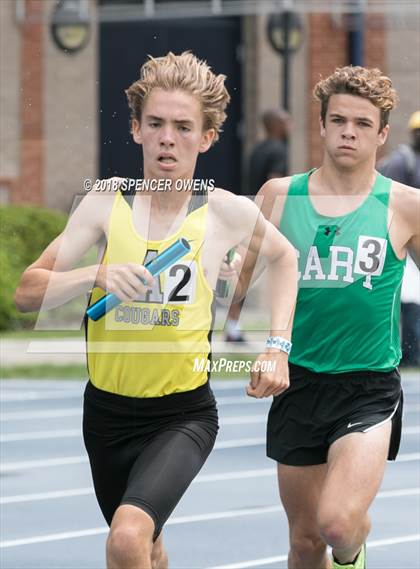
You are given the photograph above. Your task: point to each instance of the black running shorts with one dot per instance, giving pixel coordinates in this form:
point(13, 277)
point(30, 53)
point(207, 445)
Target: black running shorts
point(318, 409)
point(146, 452)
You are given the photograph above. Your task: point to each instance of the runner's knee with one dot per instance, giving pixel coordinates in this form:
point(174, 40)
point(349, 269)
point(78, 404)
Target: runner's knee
point(339, 525)
point(337, 528)
point(126, 541)
point(306, 546)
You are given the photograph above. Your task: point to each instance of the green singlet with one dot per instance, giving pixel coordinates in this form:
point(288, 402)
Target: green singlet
point(348, 308)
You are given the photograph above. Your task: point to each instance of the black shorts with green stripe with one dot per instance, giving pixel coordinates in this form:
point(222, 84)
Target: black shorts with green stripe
point(318, 409)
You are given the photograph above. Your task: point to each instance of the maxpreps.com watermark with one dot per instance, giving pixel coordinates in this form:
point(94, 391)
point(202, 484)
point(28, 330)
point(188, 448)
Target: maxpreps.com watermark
point(233, 366)
point(148, 185)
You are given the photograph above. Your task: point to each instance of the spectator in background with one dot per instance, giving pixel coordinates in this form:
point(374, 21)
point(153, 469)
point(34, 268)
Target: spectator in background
point(268, 160)
point(403, 165)
point(269, 157)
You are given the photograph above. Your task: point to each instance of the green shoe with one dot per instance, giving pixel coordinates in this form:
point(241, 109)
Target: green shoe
point(360, 562)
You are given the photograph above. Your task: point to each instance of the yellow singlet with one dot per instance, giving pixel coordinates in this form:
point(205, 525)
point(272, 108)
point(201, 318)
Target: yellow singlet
point(158, 344)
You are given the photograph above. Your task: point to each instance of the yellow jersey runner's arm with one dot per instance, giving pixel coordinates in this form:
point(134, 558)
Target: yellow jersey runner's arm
point(280, 257)
point(52, 279)
point(281, 260)
point(282, 281)
point(41, 285)
point(270, 200)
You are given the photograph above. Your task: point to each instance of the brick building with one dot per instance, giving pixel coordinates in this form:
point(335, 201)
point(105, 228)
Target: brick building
point(50, 100)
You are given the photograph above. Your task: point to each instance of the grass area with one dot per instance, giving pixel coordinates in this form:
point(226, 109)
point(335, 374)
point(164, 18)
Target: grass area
point(40, 334)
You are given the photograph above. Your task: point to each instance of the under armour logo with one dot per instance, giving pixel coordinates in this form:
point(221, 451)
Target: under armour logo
point(328, 230)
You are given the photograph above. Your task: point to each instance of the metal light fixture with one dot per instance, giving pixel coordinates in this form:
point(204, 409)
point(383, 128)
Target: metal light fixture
point(70, 26)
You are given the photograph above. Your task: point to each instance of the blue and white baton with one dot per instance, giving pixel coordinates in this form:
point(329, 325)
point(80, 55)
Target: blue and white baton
point(159, 264)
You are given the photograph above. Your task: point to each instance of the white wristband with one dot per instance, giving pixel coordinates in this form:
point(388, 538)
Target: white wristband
point(279, 343)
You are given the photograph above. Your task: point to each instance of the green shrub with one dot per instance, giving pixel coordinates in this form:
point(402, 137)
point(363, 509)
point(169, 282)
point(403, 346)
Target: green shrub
point(24, 234)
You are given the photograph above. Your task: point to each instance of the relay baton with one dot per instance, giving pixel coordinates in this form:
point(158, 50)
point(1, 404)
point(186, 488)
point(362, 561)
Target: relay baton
point(156, 266)
point(222, 286)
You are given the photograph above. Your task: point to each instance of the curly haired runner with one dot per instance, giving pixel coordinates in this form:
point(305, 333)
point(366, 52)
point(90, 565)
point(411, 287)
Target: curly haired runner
point(150, 418)
point(333, 429)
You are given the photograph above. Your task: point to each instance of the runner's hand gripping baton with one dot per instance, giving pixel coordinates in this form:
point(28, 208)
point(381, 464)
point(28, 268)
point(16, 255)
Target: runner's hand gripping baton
point(222, 286)
point(159, 264)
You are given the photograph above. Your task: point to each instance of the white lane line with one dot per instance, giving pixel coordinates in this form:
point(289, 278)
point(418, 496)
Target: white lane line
point(225, 515)
point(173, 521)
point(13, 397)
point(40, 435)
point(407, 457)
point(238, 443)
point(229, 444)
point(76, 411)
point(33, 435)
point(243, 420)
point(68, 412)
point(48, 462)
point(37, 396)
point(238, 475)
point(229, 421)
point(45, 414)
point(280, 558)
point(19, 498)
point(52, 537)
point(253, 562)
point(203, 478)
point(197, 518)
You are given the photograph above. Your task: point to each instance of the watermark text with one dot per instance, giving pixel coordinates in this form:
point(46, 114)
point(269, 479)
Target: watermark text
point(148, 185)
point(233, 366)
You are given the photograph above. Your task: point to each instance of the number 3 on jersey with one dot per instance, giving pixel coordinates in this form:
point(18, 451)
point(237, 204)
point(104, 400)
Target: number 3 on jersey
point(371, 253)
point(175, 286)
